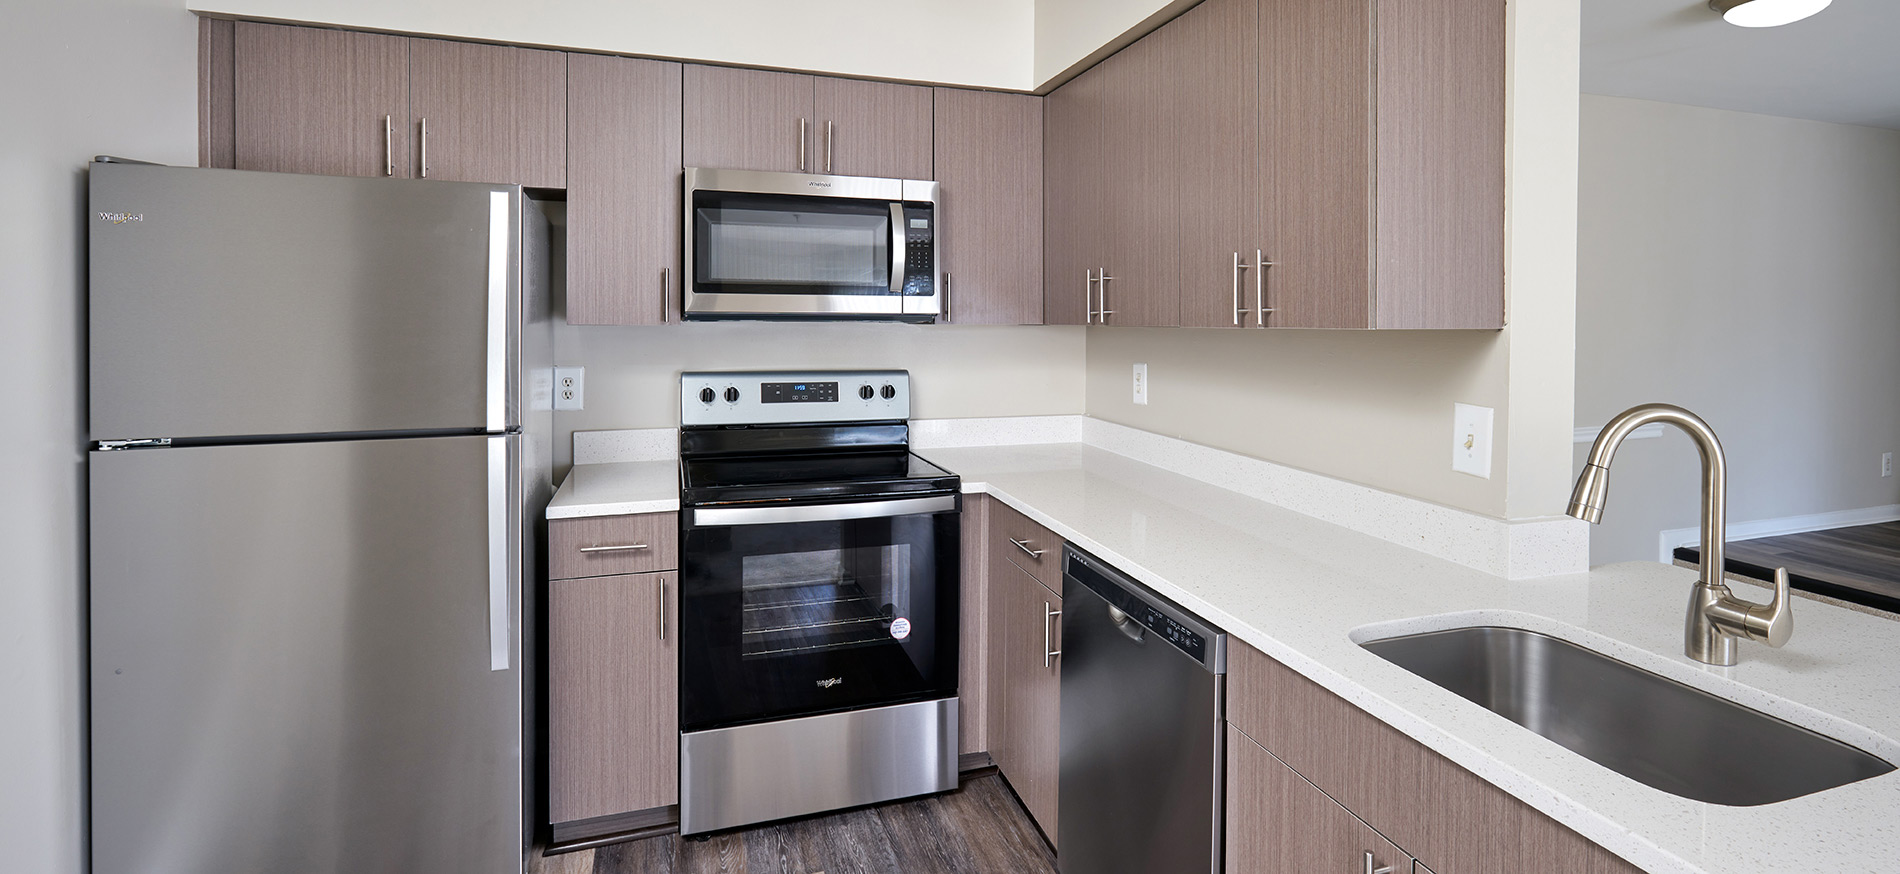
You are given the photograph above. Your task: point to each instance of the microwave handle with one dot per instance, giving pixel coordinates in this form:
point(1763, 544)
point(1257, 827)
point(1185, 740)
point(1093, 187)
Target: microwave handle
point(899, 240)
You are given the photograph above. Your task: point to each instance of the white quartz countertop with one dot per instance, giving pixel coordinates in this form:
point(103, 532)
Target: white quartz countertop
point(1305, 591)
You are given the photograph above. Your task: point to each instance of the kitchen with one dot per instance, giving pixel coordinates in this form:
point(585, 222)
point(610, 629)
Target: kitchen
point(1365, 399)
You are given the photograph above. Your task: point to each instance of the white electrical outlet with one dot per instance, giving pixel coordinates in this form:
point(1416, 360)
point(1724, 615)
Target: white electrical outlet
point(568, 385)
point(1141, 383)
point(1886, 464)
point(1471, 439)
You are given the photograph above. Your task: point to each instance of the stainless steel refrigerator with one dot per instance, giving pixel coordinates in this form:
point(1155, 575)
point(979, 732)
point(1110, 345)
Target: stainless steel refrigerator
point(320, 416)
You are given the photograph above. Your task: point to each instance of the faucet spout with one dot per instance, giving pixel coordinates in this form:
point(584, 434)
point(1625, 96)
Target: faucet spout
point(1716, 618)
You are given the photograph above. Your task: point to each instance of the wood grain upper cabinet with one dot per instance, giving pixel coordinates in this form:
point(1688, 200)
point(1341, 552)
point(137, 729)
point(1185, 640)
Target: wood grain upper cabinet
point(989, 161)
point(872, 128)
point(1208, 57)
point(747, 119)
point(623, 190)
point(488, 113)
point(1076, 117)
point(1381, 163)
point(1277, 822)
point(311, 100)
point(613, 734)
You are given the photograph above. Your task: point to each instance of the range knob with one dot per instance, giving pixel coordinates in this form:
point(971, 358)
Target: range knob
point(732, 395)
point(866, 392)
point(706, 395)
point(890, 391)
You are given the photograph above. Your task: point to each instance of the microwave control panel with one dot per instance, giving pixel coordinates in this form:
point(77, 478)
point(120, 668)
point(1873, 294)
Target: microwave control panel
point(920, 250)
point(793, 397)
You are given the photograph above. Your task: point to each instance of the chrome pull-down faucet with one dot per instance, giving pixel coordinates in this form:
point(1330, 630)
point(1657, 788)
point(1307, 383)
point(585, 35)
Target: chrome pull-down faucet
point(1717, 619)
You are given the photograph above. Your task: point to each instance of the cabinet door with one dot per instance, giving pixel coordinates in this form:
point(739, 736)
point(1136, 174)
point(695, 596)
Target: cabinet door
point(487, 113)
point(1138, 202)
point(623, 190)
point(1075, 127)
point(872, 129)
point(1315, 189)
point(748, 120)
point(1277, 823)
point(613, 734)
point(1032, 693)
point(989, 160)
point(311, 100)
point(1207, 62)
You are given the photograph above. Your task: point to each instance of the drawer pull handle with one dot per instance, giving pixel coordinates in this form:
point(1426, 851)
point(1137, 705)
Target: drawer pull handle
point(1024, 546)
point(618, 547)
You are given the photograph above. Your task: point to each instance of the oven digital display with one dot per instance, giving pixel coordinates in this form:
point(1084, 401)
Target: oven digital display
point(798, 392)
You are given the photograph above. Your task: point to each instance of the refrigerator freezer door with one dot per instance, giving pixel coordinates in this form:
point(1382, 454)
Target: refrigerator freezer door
point(292, 667)
point(227, 303)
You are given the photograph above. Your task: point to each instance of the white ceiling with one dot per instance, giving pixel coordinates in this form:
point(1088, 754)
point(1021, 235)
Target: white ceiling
point(1842, 65)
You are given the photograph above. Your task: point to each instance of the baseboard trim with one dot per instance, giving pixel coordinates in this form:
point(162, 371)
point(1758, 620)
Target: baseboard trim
point(599, 831)
point(1669, 539)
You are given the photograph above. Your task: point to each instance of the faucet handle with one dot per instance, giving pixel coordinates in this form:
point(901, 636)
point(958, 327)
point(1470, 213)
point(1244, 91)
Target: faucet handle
point(1771, 623)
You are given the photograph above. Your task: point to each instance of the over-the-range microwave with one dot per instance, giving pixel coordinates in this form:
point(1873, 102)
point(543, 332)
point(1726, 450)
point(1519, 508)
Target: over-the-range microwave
point(797, 246)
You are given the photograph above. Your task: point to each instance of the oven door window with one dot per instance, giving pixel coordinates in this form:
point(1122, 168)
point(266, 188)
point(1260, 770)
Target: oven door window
point(782, 244)
point(812, 617)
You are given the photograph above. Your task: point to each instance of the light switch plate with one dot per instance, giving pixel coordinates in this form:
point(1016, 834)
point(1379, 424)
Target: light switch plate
point(569, 383)
point(1141, 383)
point(1471, 439)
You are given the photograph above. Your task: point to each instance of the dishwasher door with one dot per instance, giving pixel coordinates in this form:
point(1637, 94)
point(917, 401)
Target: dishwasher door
point(1142, 754)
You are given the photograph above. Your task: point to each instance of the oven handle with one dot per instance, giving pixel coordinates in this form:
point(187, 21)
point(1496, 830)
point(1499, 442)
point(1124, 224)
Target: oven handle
point(900, 242)
point(728, 516)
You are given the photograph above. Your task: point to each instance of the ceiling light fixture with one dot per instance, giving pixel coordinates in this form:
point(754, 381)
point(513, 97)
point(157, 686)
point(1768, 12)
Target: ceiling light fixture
point(1766, 13)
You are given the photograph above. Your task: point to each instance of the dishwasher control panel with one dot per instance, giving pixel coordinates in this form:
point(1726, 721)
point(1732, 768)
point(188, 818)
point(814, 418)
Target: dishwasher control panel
point(1148, 609)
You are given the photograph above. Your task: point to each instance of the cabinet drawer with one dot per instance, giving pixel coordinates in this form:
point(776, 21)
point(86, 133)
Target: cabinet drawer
point(1028, 545)
point(604, 545)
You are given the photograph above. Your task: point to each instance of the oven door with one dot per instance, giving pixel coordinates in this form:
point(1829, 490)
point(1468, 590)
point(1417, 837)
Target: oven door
point(799, 610)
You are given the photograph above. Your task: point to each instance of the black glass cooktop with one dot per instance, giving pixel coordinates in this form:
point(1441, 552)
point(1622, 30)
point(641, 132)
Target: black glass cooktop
point(810, 476)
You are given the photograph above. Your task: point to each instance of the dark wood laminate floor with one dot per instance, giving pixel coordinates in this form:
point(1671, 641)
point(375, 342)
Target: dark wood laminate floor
point(978, 829)
point(1859, 564)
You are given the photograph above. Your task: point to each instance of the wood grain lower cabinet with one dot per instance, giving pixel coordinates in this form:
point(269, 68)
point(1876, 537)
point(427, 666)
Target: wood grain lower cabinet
point(623, 190)
point(314, 100)
point(613, 712)
point(1278, 823)
point(1439, 813)
point(1026, 690)
point(989, 161)
point(599, 545)
point(973, 632)
point(489, 113)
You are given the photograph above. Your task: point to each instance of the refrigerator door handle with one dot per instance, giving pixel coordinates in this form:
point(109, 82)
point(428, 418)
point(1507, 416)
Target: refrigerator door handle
point(501, 566)
point(498, 260)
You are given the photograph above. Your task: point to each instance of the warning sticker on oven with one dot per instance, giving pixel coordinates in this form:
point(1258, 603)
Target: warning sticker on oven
point(900, 628)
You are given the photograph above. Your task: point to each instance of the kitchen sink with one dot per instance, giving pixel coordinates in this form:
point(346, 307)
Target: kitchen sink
point(1646, 727)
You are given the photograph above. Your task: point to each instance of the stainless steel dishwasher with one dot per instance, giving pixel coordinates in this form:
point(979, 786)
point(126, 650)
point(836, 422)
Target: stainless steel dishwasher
point(1143, 699)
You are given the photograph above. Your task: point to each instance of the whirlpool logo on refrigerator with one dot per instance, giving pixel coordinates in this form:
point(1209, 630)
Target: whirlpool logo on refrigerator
point(829, 682)
point(119, 218)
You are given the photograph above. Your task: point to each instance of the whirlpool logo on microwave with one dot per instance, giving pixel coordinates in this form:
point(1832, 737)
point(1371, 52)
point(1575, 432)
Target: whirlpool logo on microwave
point(119, 218)
point(818, 183)
point(829, 682)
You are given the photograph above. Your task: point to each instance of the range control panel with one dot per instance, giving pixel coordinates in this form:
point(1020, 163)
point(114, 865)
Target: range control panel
point(793, 397)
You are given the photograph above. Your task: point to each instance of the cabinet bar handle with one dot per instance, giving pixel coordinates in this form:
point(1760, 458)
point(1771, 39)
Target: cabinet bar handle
point(659, 580)
point(666, 294)
point(1024, 546)
point(1371, 870)
point(1238, 311)
point(802, 123)
point(1049, 655)
point(1260, 308)
point(1101, 285)
point(946, 297)
point(828, 141)
point(617, 547)
point(389, 146)
point(1088, 296)
point(425, 147)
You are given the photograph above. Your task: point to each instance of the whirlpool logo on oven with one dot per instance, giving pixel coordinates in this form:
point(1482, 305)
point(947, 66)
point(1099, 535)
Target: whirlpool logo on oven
point(119, 218)
point(829, 682)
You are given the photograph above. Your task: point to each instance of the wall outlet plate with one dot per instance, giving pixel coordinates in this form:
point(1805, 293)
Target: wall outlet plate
point(569, 386)
point(1141, 383)
point(1471, 439)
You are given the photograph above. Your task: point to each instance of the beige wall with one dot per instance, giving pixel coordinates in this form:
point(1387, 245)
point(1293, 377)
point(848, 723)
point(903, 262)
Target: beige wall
point(84, 77)
point(1376, 408)
point(957, 371)
point(1069, 31)
point(1746, 267)
point(985, 43)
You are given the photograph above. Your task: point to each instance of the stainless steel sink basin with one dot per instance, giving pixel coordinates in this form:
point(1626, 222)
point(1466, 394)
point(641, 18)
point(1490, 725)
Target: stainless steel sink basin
point(1649, 728)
